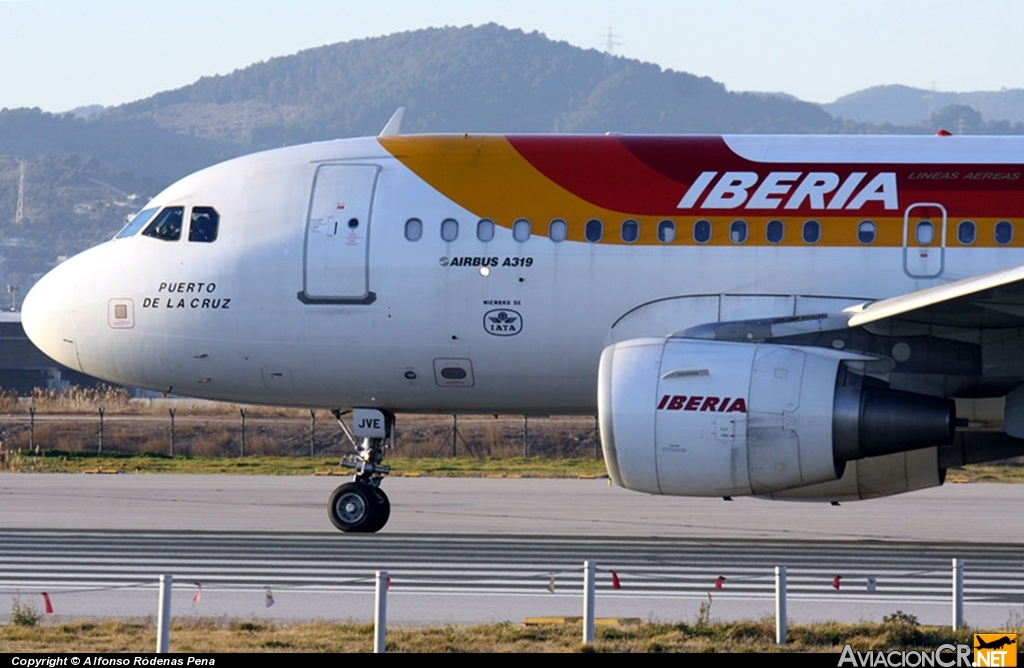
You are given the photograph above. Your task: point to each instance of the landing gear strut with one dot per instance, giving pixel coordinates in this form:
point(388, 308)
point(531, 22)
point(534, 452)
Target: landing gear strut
point(361, 506)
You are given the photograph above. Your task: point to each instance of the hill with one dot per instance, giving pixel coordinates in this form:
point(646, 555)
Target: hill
point(903, 105)
point(482, 79)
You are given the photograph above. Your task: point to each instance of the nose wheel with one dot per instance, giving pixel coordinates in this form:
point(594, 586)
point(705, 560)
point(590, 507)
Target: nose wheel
point(357, 507)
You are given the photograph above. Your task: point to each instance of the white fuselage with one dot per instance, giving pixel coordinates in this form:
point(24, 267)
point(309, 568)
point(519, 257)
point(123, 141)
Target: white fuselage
point(416, 325)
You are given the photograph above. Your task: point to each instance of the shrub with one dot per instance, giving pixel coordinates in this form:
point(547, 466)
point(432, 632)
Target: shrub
point(24, 614)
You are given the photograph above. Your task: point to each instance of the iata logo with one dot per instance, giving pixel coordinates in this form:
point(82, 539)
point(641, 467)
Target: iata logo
point(503, 322)
point(790, 190)
point(699, 404)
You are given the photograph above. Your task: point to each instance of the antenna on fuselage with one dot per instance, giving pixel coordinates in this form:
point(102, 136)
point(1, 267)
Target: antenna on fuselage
point(394, 126)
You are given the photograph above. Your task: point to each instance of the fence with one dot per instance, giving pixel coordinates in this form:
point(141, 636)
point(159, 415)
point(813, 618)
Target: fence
point(176, 429)
point(382, 583)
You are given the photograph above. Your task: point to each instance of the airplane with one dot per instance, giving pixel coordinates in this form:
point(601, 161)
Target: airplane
point(998, 643)
point(789, 317)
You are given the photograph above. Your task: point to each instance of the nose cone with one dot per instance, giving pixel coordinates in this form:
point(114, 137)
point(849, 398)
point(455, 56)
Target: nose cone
point(47, 314)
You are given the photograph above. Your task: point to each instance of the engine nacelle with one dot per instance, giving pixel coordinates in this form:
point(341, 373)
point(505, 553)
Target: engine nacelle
point(713, 418)
point(875, 477)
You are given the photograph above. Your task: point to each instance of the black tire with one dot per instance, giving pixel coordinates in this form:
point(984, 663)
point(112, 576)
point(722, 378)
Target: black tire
point(355, 508)
point(383, 509)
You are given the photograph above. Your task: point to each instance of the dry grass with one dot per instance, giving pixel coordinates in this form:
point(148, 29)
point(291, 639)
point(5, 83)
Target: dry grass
point(200, 432)
point(206, 635)
point(8, 401)
point(80, 399)
point(88, 400)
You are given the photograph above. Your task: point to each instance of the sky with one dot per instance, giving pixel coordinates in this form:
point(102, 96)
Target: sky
point(63, 54)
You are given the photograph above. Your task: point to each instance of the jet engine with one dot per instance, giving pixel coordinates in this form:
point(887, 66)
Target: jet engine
point(713, 418)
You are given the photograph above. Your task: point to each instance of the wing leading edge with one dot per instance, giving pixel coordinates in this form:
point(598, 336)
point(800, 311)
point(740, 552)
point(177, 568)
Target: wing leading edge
point(989, 301)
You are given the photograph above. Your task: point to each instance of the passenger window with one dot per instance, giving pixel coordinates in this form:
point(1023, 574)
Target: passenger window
point(413, 229)
point(593, 230)
point(866, 232)
point(521, 230)
point(812, 231)
point(925, 232)
point(558, 230)
point(774, 231)
point(738, 231)
point(666, 231)
point(702, 231)
point(485, 229)
point(136, 223)
point(966, 232)
point(449, 229)
point(630, 231)
point(203, 227)
point(167, 224)
point(1004, 232)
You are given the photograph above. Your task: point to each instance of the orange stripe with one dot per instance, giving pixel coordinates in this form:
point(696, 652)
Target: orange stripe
point(486, 175)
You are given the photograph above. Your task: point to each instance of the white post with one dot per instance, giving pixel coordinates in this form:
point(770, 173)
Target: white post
point(588, 602)
point(380, 613)
point(163, 622)
point(780, 605)
point(958, 593)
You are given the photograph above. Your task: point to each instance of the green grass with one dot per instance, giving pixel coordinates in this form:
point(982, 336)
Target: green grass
point(57, 461)
point(986, 473)
point(60, 461)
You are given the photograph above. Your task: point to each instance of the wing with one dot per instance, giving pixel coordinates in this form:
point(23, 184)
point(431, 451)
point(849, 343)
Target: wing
point(986, 302)
point(959, 339)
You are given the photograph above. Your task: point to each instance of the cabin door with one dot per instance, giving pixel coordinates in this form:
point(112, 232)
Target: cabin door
point(924, 239)
point(338, 235)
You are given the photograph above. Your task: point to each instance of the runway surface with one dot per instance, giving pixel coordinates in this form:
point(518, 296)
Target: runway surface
point(463, 551)
point(978, 513)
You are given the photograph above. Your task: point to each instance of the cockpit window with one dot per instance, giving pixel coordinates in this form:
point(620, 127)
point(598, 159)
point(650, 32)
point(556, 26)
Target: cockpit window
point(204, 224)
point(136, 223)
point(167, 224)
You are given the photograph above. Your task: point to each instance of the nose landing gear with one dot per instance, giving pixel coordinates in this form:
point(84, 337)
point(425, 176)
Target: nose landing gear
point(361, 506)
